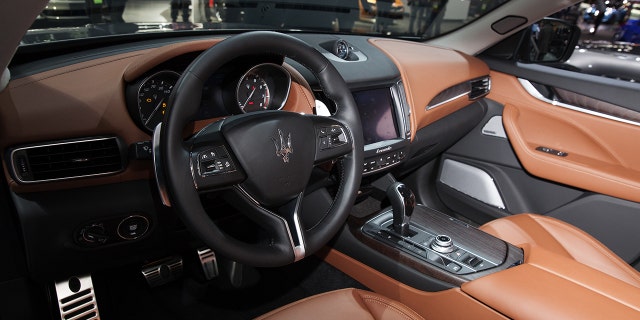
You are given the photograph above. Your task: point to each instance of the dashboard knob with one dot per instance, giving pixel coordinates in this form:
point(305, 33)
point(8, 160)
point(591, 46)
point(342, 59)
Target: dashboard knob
point(94, 234)
point(443, 244)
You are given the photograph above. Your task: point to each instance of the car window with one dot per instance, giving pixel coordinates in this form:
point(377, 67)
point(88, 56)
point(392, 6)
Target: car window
point(609, 43)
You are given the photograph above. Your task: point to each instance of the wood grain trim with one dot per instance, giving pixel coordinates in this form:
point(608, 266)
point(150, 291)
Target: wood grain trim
point(426, 71)
point(602, 154)
point(550, 286)
point(448, 304)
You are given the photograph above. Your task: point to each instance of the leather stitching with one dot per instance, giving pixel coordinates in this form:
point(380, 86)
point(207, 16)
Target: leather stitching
point(599, 247)
point(387, 304)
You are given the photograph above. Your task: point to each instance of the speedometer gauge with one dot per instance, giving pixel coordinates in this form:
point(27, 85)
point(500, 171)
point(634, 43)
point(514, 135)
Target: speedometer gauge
point(253, 93)
point(153, 96)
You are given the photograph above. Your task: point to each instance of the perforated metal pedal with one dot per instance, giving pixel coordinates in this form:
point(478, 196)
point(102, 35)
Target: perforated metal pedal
point(162, 271)
point(208, 262)
point(77, 299)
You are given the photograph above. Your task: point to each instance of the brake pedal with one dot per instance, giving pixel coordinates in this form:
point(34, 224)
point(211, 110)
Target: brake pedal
point(208, 262)
point(77, 299)
point(160, 272)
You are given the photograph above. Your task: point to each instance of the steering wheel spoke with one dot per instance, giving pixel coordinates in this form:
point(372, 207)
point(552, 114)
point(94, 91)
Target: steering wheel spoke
point(333, 139)
point(212, 164)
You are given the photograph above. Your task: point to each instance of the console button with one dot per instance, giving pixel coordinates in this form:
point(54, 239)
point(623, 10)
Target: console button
point(133, 227)
point(453, 267)
point(474, 261)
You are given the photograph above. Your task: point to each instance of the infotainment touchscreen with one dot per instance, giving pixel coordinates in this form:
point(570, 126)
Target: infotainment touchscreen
point(377, 115)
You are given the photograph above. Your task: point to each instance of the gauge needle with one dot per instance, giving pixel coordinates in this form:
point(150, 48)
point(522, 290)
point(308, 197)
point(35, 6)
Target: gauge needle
point(249, 98)
point(154, 112)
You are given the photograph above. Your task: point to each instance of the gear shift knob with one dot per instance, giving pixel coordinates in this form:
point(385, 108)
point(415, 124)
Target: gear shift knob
point(403, 201)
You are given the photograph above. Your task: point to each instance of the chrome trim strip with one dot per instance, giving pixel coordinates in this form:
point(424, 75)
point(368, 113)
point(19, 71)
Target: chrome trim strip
point(299, 251)
point(526, 84)
point(471, 181)
point(157, 167)
point(17, 176)
point(448, 100)
point(403, 111)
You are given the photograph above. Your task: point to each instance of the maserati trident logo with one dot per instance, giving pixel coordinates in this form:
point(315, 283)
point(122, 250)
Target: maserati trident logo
point(284, 149)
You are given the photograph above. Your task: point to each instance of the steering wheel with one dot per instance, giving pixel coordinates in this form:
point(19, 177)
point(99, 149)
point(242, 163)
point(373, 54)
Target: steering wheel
point(265, 158)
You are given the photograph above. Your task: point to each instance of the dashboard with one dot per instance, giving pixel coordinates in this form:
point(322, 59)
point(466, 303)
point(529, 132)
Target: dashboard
point(58, 107)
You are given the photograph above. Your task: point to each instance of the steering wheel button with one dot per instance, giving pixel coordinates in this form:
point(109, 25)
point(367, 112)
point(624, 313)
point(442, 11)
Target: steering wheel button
point(324, 143)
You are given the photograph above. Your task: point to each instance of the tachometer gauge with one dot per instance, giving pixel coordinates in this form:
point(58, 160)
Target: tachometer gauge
point(153, 96)
point(253, 93)
point(264, 87)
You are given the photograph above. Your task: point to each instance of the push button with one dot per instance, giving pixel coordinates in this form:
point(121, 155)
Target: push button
point(133, 227)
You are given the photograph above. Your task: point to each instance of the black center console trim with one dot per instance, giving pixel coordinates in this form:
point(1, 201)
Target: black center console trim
point(474, 253)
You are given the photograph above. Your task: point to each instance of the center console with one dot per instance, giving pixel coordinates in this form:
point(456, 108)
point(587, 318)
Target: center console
point(430, 242)
point(449, 249)
point(386, 126)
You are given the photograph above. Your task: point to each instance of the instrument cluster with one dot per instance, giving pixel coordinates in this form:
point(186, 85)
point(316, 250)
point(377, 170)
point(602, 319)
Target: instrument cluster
point(234, 89)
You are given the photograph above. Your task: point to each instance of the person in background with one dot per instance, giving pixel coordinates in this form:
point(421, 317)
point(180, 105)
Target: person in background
point(176, 6)
point(602, 8)
point(420, 10)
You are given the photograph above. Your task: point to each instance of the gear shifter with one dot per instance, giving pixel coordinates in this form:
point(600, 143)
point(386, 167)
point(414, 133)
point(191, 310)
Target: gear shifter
point(403, 201)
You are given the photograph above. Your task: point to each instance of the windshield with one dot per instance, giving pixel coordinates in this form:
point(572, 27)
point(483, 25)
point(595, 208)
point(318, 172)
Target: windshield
point(416, 19)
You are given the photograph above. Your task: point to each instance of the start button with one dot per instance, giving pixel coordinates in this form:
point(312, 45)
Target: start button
point(133, 227)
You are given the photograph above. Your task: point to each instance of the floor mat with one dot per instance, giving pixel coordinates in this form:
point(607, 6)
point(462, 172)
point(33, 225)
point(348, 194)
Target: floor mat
point(123, 294)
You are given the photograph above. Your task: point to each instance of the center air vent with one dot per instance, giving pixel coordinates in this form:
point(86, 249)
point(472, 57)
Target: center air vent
point(67, 159)
point(480, 88)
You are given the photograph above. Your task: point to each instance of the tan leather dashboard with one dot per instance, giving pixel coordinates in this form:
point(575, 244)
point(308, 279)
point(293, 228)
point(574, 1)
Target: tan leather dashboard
point(87, 99)
point(427, 71)
point(601, 154)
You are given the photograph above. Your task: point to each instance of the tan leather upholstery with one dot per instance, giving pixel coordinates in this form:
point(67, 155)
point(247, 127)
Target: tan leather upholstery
point(344, 304)
point(563, 239)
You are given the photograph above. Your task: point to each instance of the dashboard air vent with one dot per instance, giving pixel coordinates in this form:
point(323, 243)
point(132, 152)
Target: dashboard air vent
point(480, 88)
point(67, 159)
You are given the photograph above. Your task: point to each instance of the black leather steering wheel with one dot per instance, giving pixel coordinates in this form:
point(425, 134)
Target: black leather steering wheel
point(265, 157)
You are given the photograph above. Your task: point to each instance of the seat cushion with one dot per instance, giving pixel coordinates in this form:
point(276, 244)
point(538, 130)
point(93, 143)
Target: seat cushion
point(563, 239)
point(344, 304)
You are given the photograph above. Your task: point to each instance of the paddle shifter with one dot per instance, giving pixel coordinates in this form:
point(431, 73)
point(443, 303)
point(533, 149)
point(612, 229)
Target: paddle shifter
point(403, 201)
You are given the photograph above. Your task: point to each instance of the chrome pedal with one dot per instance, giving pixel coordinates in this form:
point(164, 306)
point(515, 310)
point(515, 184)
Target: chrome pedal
point(160, 272)
point(76, 299)
point(208, 262)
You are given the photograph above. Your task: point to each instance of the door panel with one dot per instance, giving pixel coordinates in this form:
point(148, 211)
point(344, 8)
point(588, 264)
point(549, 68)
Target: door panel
point(595, 185)
point(601, 154)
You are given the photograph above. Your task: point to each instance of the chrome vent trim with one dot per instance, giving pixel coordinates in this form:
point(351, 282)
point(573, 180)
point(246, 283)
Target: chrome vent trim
point(68, 159)
point(480, 88)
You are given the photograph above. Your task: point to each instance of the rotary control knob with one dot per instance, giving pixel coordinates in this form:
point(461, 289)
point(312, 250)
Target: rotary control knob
point(442, 244)
point(94, 234)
